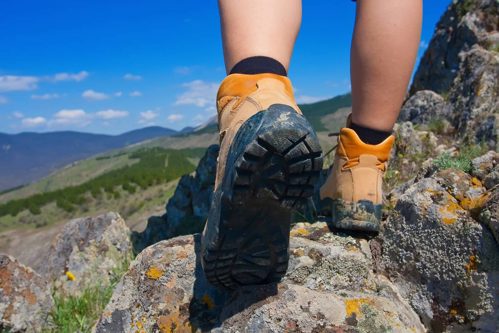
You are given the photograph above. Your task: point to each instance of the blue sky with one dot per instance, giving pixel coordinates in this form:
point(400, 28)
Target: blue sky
point(112, 66)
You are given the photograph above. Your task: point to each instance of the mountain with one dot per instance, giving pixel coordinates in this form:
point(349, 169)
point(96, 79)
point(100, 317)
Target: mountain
point(26, 157)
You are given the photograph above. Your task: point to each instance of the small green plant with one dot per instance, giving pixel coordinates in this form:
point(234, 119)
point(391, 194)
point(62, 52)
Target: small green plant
point(462, 161)
point(437, 126)
point(79, 313)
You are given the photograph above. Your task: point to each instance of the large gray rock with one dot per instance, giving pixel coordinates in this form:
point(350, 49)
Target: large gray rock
point(87, 251)
point(330, 287)
point(25, 298)
point(424, 107)
point(475, 97)
point(191, 201)
point(187, 209)
point(442, 260)
point(466, 23)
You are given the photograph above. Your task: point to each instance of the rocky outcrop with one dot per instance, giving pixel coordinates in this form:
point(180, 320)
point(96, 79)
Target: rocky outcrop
point(441, 258)
point(330, 286)
point(190, 203)
point(423, 107)
point(461, 64)
point(25, 298)
point(188, 208)
point(465, 24)
point(86, 252)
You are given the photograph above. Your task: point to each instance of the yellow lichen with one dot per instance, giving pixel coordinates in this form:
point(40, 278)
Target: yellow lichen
point(453, 312)
point(469, 204)
point(449, 212)
point(476, 182)
point(70, 276)
point(354, 305)
point(154, 273)
point(172, 323)
point(300, 232)
point(208, 301)
point(472, 264)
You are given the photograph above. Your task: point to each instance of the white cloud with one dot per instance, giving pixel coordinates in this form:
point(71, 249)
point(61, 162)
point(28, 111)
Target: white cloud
point(70, 76)
point(135, 93)
point(183, 70)
point(93, 95)
point(175, 117)
point(3, 100)
point(111, 114)
point(118, 94)
point(71, 117)
point(45, 96)
point(198, 93)
point(132, 77)
point(17, 115)
point(211, 110)
point(33, 122)
point(147, 117)
point(17, 83)
point(305, 99)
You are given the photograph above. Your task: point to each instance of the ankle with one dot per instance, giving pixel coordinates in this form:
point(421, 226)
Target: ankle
point(369, 135)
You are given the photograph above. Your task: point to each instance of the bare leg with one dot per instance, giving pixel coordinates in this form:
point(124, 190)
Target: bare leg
point(384, 50)
point(259, 28)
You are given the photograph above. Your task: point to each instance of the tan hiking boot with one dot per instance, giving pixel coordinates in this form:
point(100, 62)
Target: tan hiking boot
point(269, 162)
point(353, 192)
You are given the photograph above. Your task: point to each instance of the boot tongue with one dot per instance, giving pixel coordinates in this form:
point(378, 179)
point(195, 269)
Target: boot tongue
point(367, 160)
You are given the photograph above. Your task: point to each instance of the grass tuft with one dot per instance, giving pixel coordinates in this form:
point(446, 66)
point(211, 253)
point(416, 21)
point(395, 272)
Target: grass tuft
point(461, 161)
point(79, 313)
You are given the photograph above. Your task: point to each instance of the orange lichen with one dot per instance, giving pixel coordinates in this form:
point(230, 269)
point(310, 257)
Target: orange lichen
point(154, 273)
point(476, 182)
point(208, 301)
point(172, 323)
point(473, 203)
point(449, 212)
point(300, 232)
point(472, 264)
point(354, 305)
point(453, 312)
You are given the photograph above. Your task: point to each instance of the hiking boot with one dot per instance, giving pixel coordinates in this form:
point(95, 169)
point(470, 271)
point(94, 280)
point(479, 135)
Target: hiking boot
point(268, 164)
point(352, 192)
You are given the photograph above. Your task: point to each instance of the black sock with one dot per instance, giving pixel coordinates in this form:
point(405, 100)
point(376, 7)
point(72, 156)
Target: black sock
point(259, 65)
point(368, 135)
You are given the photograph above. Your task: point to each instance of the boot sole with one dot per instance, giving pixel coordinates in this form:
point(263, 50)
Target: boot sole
point(272, 168)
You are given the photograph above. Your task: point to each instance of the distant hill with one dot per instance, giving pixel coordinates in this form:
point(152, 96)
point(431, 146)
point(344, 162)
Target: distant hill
point(26, 157)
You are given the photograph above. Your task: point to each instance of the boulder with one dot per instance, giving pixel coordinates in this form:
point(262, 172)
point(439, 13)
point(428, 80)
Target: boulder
point(187, 209)
point(330, 287)
point(444, 262)
point(191, 201)
point(474, 97)
point(423, 107)
point(465, 24)
point(25, 297)
point(87, 251)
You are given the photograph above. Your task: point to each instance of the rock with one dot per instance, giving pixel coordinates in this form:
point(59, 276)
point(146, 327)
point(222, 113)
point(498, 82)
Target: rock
point(465, 24)
point(330, 287)
point(485, 165)
point(191, 201)
point(441, 259)
point(489, 215)
point(424, 107)
point(25, 299)
point(475, 97)
point(87, 251)
point(187, 210)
